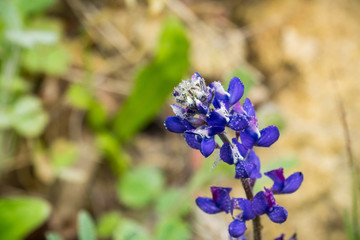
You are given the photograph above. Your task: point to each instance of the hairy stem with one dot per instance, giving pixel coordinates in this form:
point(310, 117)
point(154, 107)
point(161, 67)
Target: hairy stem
point(249, 195)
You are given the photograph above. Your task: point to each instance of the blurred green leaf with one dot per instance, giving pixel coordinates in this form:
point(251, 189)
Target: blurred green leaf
point(112, 150)
point(5, 119)
point(49, 59)
point(130, 230)
point(107, 224)
point(21, 215)
point(139, 186)
point(63, 154)
point(154, 83)
point(28, 117)
point(86, 226)
point(174, 229)
point(34, 6)
point(165, 203)
point(45, 23)
point(53, 236)
point(79, 96)
point(269, 115)
point(97, 116)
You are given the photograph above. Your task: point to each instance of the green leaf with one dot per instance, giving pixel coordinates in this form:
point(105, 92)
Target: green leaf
point(63, 154)
point(49, 59)
point(29, 38)
point(28, 117)
point(154, 83)
point(86, 230)
point(174, 229)
point(107, 224)
point(165, 203)
point(34, 6)
point(19, 216)
point(53, 236)
point(110, 147)
point(139, 186)
point(130, 230)
point(97, 116)
point(79, 96)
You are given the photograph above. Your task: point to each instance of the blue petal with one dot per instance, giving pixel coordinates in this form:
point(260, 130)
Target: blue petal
point(236, 90)
point(259, 204)
point(277, 176)
point(179, 111)
point(226, 153)
point(240, 169)
point(278, 214)
point(249, 108)
point(193, 140)
point(215, 119)
point(175, 124)
point(242, 149)
point(238, 122)
point(248, 139)
point(207, 146)
point(293, 182)
point(202, 108)
point(246, 207)
point(207, 205)
point(221, 197)
point(197, 122)
point(268, 136)
point(281, 237)
point(213, 130)
point(237, 228)
point(254, 165)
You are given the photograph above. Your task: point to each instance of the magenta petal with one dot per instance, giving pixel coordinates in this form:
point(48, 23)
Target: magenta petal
point(278, 214)
point(268, 136)
point(175, 124)
point(207, 146)
point(236, 90)
point(249, 108)
point(293, 182)
point(207, 205)
point(193, 140)
point(237, 228)
point(226, 153)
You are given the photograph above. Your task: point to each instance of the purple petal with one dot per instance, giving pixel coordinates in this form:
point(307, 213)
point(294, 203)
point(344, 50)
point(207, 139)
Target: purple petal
point(240, 169)
point(238, 122)
point(249, 108)
point(196, 122)
point(215, 119)
point(213, 130)
point(195, 76)
point(237, 228)
point(226, 153)
point(293, 237)
point(246, 207)
point(237, 108)
point(221, 197)
point(193, 140)
point(277, 176)
point(254, 165)
point(207, 146)
point(242, 149)
point(207, 205)
point(179, 111)
point(247, 139)
point(202, 108)
point(236, 90)
point(268, 136)
point(281, 237)
point(259, 204)
point(278, 214)
point(293, 182)
point(175, 124)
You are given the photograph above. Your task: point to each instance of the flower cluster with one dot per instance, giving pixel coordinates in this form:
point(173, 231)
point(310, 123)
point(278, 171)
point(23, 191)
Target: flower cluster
point(206, 111)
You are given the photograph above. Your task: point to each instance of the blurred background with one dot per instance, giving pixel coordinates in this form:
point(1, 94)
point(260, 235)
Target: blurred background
point(85, 86)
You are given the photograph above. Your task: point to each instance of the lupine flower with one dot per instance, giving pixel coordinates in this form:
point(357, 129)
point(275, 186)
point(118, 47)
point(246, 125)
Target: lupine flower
point(264, 202)
point(251, 136)
point(281, 237)
point(221, 202)
point(282, 185)
point(235, 154)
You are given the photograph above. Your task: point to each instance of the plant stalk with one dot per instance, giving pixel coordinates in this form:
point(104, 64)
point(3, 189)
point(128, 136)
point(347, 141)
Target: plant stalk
point(249, 195)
